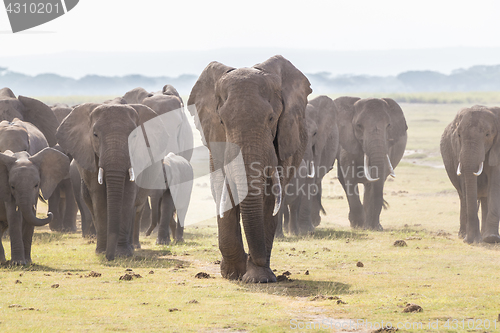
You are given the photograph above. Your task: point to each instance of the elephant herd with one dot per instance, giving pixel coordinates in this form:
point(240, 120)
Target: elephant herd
point(125, 163)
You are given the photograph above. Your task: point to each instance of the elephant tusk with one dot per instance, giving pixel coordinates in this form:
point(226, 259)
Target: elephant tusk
point(277, 200)
point(459, 169)
point(367, 171)
point(132, 175)
point(313, 171)
point(223, 198)
point(391, 169)
point(480, 170)
point(100, 175)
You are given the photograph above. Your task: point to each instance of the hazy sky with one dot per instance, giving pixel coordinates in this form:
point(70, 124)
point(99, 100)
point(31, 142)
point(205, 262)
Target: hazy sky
point(159, 25)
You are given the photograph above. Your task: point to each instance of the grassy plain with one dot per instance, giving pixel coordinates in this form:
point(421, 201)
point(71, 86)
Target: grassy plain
point(447, 278)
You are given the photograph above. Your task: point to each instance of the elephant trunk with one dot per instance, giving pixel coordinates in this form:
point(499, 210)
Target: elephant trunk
point(115, 182)
point(28, 211)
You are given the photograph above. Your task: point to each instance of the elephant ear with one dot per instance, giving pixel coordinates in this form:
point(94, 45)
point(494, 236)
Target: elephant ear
point(295, 87)
point(494, 158)
point(398, 122)
point(202, 102)
point(145, 113)
point(7, 160)
point(75, 138)
point(345, 113)
point(53, 166)
point(41, 116)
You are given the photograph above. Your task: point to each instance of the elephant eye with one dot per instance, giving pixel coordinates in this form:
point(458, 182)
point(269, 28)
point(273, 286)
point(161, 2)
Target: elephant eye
point(271, 118)
point(12, 187)
point(359, 125)
point(221, 122)
point(95, 134)
point(36, 185)
point(487, 134)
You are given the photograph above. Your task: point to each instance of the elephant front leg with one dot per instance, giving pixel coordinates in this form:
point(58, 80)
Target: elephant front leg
point(490, 226)
point(234, 259)
point(356, 212)
point(258, 267)
point(372, 202)
point(463, 217)
point(3, 227)
point(70, 207)
point(15, 221)
point(54, 208)
point(167, 209)
point(124, 247)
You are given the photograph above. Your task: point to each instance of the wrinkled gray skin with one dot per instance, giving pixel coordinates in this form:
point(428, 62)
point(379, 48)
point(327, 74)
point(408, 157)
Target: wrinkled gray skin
point(62, 203)
point(375, 128)
point(165, 203)
point(472, 140)
point(30, 110)
point(97, 137)
point(261, 110)
point(22, 176)
point(301, 194)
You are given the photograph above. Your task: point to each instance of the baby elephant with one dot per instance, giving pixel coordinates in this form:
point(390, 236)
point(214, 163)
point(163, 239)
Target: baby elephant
point(178, 175)
point(21, 178)
point(470, 146)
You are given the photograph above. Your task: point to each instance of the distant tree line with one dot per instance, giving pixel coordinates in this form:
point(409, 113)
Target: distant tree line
point(477, 78)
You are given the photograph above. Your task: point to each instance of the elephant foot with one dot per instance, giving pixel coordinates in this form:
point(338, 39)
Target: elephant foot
point(124, 251)
point(491, 238)
point(68, 230)
point(179, 241)
point(258, 274)
point(233, 270)
point(462, 234)
point(473, 238)
point(137, 246)
point(18, 262)
point(163, 241)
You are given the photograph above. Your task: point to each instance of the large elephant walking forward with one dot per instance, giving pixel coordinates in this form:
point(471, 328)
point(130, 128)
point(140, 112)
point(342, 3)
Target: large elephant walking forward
point(470, 146)
point(258, 114)
point(373, 139)
point(97, 136)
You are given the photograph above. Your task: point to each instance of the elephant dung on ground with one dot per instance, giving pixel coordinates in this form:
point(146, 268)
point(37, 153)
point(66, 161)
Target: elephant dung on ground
point(253, 122)
point(22, 177)
point(373, 139)
point(470, 146)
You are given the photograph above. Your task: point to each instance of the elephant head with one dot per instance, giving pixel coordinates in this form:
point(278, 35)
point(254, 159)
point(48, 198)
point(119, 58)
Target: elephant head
point(29, 110)
point(97, 137)
point(136, 95)
point(260, 112)
point(22, 177)
point(370, 127)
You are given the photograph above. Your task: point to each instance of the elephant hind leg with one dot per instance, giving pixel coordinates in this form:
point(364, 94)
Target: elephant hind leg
point(489, 229)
